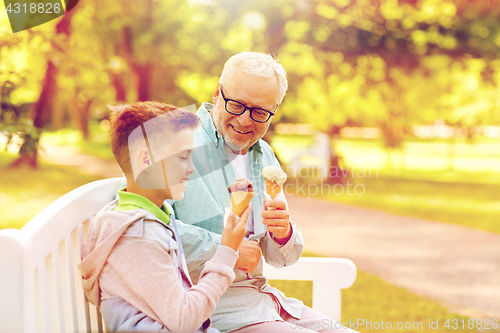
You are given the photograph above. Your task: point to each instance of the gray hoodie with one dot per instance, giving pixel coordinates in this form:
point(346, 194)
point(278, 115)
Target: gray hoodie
point(132, 267)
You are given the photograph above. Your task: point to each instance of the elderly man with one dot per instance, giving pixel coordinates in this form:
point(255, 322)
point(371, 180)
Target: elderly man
point(251, 88)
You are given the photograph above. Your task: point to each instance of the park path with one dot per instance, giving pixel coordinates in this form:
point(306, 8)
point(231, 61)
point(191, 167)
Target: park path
point(459, 267)
point(69, 156)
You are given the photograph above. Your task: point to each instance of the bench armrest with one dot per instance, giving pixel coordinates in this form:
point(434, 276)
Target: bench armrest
point(329, 276)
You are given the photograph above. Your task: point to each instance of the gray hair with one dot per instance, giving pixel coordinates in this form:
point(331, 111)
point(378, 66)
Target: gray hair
point(259, 64)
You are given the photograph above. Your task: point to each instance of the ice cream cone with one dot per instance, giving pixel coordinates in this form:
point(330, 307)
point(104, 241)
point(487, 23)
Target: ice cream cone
point(239, 201)
point(274, 178)
point(272, 188)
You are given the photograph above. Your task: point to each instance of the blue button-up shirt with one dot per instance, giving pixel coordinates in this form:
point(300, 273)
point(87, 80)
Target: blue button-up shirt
point(249, 300)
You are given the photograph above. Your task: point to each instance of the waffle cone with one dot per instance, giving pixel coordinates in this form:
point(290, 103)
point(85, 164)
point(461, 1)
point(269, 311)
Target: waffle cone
point(272, 188)
point(239, 201)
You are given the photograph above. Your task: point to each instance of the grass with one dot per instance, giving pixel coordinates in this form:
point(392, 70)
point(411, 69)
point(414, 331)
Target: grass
point(479, 155)
point(97, 145)
point(25, 192)
point(473, 205)
point(372, 300)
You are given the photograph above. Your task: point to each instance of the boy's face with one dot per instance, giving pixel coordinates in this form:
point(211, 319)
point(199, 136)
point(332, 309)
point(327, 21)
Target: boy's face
point(178, 165)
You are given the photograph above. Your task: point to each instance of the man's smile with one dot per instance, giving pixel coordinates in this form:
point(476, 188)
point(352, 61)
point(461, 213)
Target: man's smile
point(238, 131)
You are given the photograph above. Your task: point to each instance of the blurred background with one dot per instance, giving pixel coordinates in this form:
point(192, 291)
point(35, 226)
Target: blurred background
point(400, 96)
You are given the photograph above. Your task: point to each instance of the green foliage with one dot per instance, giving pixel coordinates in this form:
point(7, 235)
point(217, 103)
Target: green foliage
point(15, 124)
point(389, 64)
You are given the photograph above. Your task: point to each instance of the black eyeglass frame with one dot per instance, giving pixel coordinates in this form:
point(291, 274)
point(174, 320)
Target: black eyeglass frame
point(270, 114)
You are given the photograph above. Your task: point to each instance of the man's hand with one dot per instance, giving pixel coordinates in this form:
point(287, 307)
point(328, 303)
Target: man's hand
point(249, 256)
point(277, 220)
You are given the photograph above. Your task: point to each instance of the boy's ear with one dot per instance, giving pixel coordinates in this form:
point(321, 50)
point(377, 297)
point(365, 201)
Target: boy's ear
point(216, 93)
point(144, 158)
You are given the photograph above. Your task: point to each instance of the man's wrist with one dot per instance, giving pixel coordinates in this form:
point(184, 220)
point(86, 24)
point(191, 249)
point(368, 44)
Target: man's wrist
point(283, 240)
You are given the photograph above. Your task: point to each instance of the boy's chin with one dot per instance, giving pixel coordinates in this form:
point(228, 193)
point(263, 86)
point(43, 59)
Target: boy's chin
point(178, 195)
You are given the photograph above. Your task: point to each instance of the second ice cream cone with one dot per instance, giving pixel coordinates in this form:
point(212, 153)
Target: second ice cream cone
point(239, 201)
point(272, 188)
point(274, 178)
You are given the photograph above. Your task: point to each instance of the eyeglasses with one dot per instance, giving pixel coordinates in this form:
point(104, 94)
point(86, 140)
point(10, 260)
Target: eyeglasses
point(237, 108)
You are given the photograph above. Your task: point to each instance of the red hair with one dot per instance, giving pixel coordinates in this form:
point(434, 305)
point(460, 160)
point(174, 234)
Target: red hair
point(126, 118)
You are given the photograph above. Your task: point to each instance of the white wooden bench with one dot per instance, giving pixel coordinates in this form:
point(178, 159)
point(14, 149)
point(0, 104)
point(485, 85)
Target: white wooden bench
point(40, 284)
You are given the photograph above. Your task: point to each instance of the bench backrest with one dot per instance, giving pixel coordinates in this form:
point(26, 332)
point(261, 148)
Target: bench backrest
point(40, 283)
point(41, 286)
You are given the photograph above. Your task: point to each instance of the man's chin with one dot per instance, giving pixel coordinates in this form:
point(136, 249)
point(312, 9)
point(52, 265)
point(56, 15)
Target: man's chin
point(238, 146)
point(235, 146)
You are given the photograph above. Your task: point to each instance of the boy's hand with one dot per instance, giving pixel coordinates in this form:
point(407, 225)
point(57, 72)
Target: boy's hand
point(233, 235)
point(277, 220)
point(249, 256)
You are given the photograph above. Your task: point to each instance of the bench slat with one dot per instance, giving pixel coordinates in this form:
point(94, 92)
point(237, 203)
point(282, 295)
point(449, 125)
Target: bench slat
point(57, 275)
point(42, 278)
point(81, 242)
point(71, 280)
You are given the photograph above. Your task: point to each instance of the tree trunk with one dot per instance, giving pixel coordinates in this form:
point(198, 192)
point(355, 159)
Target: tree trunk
point(121, 91)
point(80, 114)
point(58, 114)
point(43, 106)
point(143, 73)
point(41, 114)
point(29, 159)
point(29, 150)
point(83, 119)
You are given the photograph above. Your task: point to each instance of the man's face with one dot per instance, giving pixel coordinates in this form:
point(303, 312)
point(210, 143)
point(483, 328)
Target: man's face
point(241, 132)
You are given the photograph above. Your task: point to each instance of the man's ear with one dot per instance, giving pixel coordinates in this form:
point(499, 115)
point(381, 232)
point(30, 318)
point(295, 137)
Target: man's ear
point(215, 97)
point(144, 158)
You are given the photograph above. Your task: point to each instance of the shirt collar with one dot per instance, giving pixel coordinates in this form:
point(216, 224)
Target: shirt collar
point(130, 201)
point(207, 122)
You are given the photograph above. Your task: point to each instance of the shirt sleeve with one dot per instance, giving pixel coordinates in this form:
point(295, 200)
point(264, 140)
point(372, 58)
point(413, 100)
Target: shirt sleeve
point(199, 245)
point(278, 255)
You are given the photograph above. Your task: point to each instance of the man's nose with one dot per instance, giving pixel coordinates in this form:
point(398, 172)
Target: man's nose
point(245, 119)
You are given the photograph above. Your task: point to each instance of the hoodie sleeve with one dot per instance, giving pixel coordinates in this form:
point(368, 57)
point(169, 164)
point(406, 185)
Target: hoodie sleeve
point(148, 278)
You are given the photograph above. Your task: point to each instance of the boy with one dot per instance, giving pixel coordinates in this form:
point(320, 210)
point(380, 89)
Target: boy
point(133, 264)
